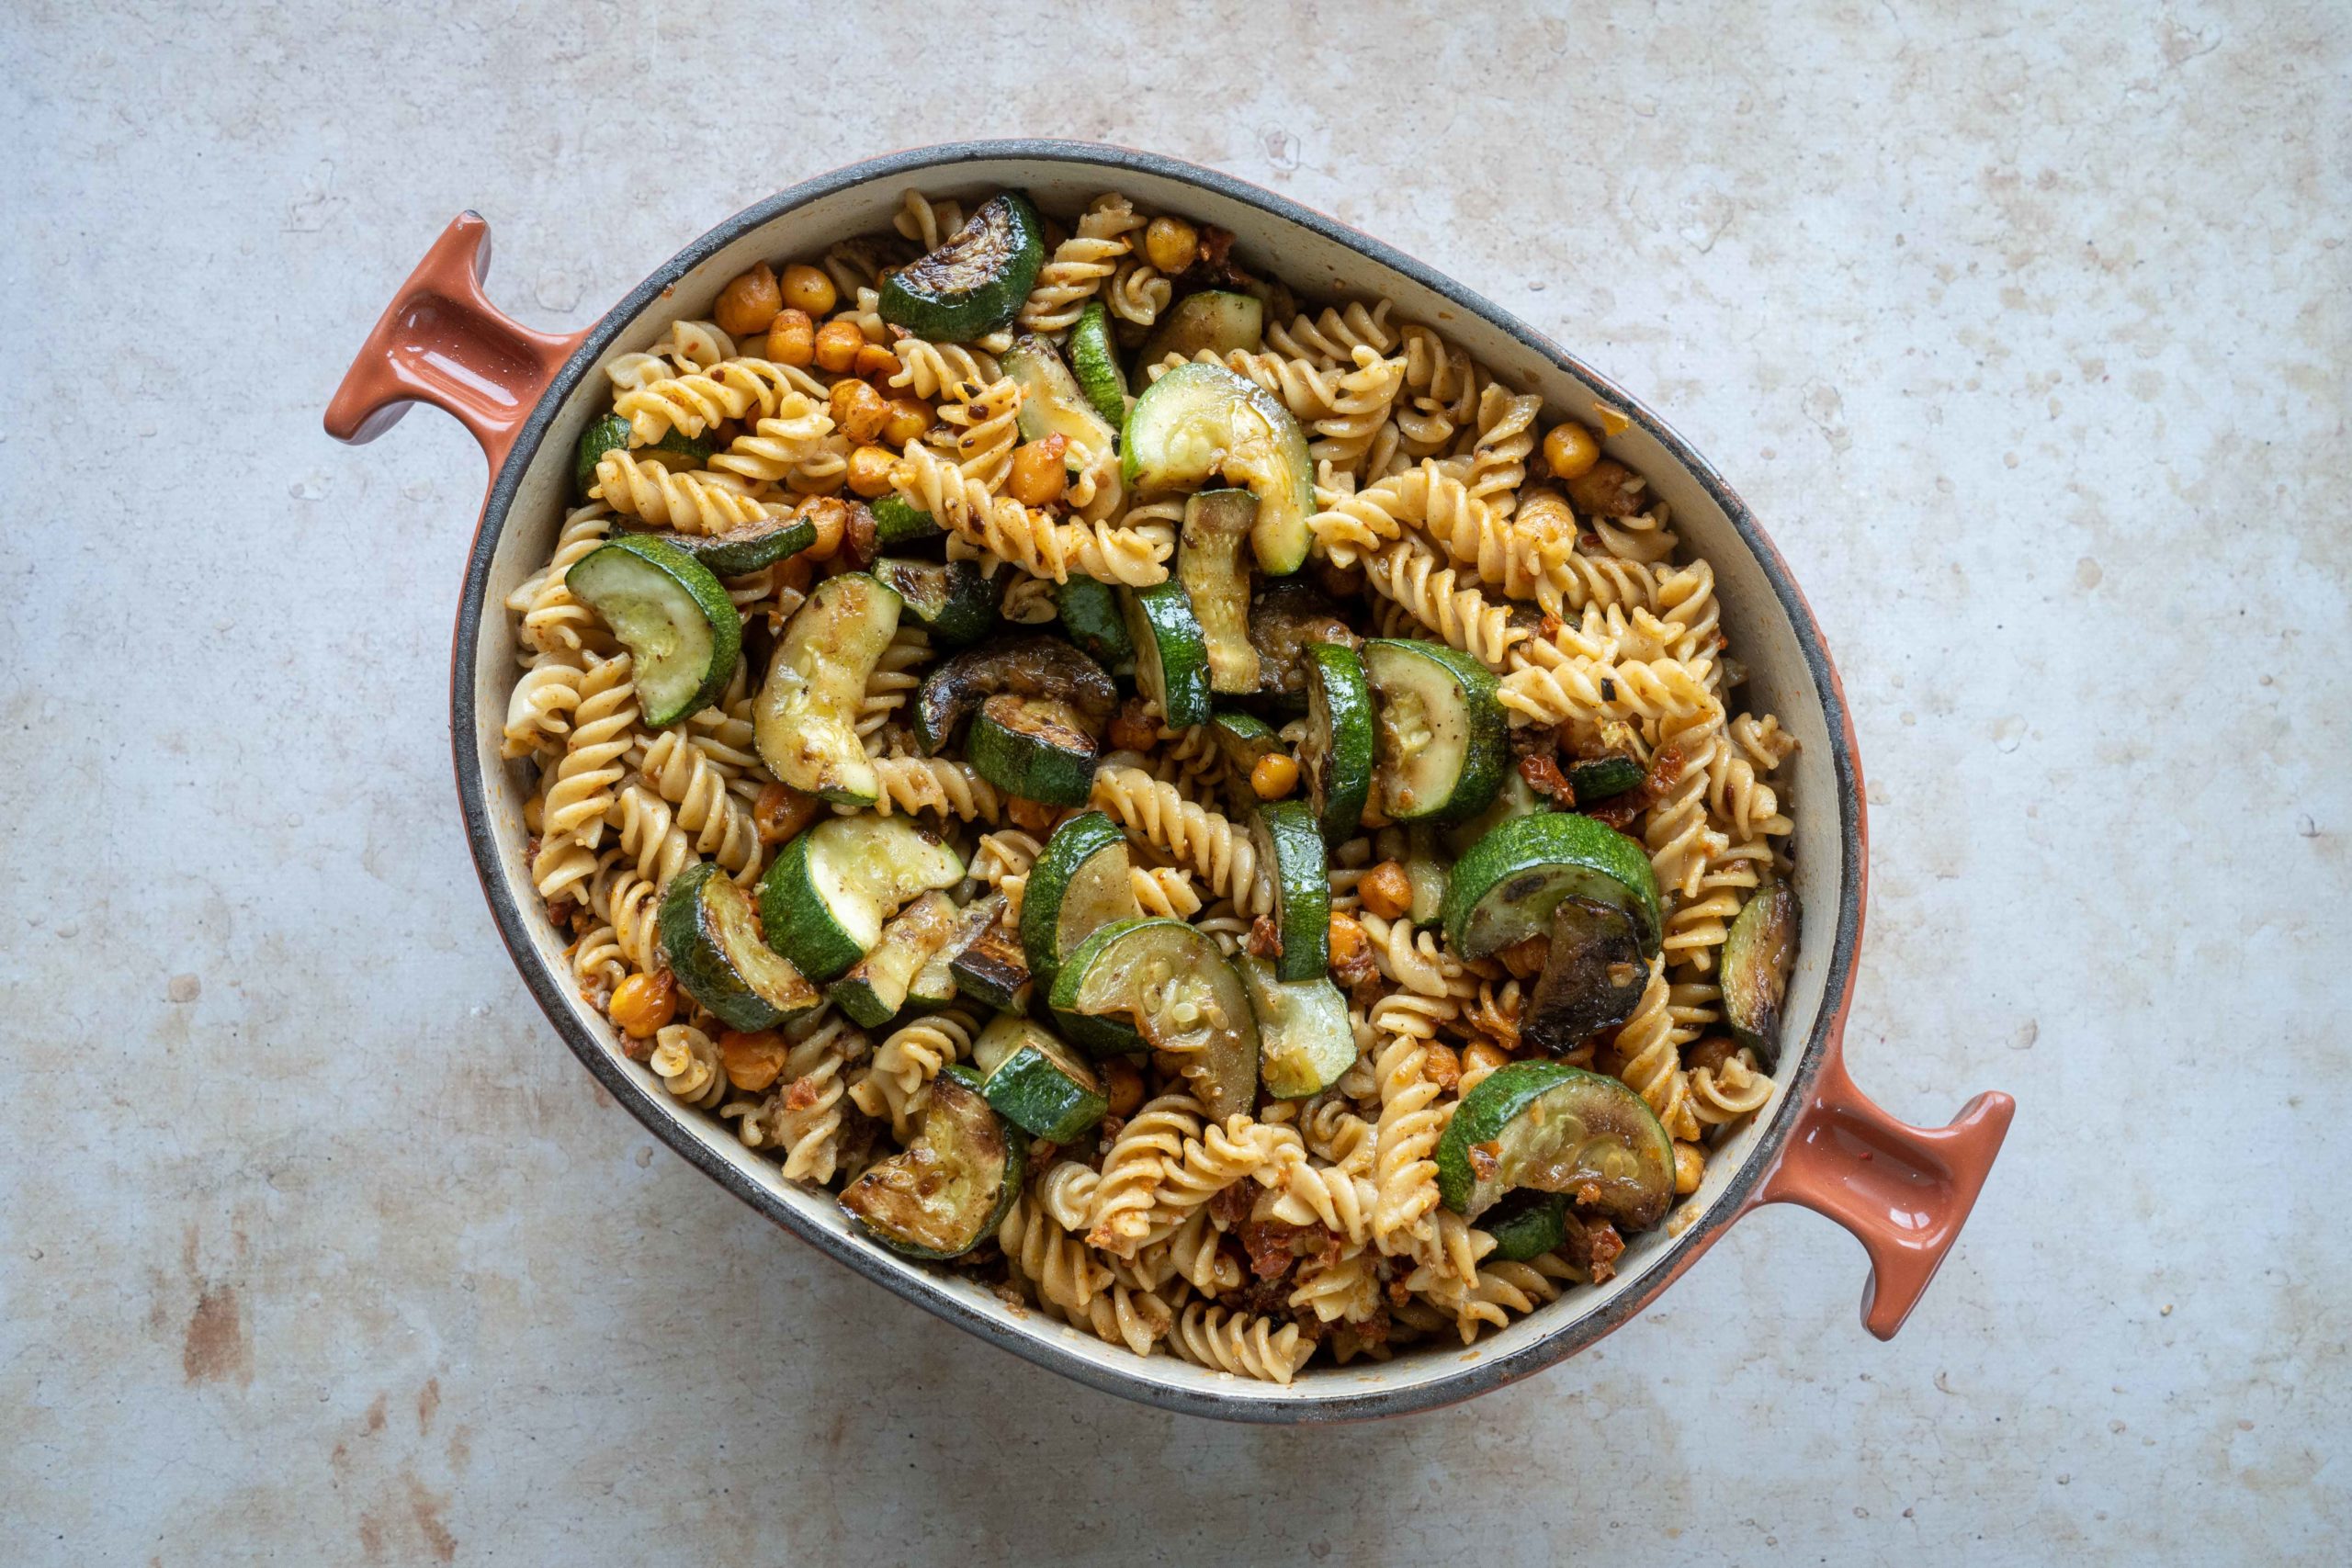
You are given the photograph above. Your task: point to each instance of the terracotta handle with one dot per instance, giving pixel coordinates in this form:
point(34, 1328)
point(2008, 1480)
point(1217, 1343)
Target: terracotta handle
point(442, 342)
point(1904, 1192)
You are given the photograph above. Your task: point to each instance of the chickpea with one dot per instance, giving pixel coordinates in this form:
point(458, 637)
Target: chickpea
point(1351, 949)
point(1172, 244)
point(1572, 450)
point(1131, 728)
point(533, 813)
point(808, 288)
point(837, 345)
point(644, 1003)
point(752, 1061)
point(858, 410)
point(1689, 1166)
point(1038, 476)
point(1272, 776)
point(875, 364)
point(1387, 890)
point(792, 339)
point(1608, 489)
point(1030, 816)
point(910, 417)
point(829, 516)
point(782, 813)
point(748, 304)
point(1123, 1086)
point(869, 470)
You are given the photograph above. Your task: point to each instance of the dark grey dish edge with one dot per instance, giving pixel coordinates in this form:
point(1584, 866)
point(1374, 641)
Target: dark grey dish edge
point(549, 988)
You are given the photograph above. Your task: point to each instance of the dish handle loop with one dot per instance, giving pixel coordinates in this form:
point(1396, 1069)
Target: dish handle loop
point(442, 342)
point(1904, 1192)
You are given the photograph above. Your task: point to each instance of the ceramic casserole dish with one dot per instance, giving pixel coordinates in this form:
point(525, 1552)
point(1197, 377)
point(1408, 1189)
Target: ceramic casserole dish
point(526, 395)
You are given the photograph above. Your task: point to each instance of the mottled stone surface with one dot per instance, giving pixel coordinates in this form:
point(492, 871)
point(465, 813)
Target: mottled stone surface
point(2027, 335)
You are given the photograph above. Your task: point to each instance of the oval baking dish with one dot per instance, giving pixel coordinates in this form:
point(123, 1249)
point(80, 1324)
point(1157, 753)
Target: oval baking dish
point(1903, 1191)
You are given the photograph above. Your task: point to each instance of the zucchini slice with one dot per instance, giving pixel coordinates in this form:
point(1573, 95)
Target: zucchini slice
point(824, 899)
point(804, 721)
point(1757, 955)
point(1216, 318)
point(949, 1191)
point(1441, 746)
point(748, 546)
point(1091, 615)
point(991, 970)
point(1335, 755)
point(1203, 419)
point(875, 986)
point(1515, 799)
point(1052, 403)
point(1171, 657)
point(1593, 976)
point(1210, 565)
point(1428, 873)
point(1506, 887)
point(1037, 1082)
point(1290, 846)
point(1079, 885)
point(955, 602)
point(1030, 666)
point(1526, 1224)
point(933, 985)
point(711, 941)
point(1304, 1042)
point(1184, 997)
point(897, 522)
point(682, 633)
point(1556, 1128)
point(1600, 778)
point(976, 280)
point(1094, 360)
point(1035, 748)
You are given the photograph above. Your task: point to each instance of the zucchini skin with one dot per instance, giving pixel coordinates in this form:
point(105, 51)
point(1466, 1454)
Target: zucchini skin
point(1090, 612)
point(1477, 704)
point(1022, 747)
point(1757, 958)
point(1161, 617)
point(897, 522)
point(1337, 756)
point(1301, 870)
point(1075, 842)
point(955, 602)
point(1535, 861)
point(1094, 361)
point(931, 299)
point(691, 926)
point(1486, 1115)
point(961, 1108)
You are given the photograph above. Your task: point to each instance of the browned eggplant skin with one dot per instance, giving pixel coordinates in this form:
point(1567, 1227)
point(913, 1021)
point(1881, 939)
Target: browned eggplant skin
point(1021, 667)
point(1592, 977)
point(1757, 957)
point(1285, 619)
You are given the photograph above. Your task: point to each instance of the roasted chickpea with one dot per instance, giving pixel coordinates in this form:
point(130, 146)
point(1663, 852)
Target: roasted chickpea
point(1272, 776)
point(858, 410)
point(792, 339)
point(910, 417)
point(781, 813)
point(869, 470)
point(1172, 244)
point(1131, 727)
point(808, 288)
point(1387, 890)
point(877, 364)
point(644, 1003)
point(1030, 816)
point(837, 345)
point(1351, 949)
point(1039, 476)
point(1572, 450)
point(752, 1061)
point(1123, 1086)
point(1608, 489)
point(749, 303)
point(1689, 1166)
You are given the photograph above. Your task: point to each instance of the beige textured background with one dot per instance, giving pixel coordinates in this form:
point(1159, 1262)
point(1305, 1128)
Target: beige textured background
point(2026, 333)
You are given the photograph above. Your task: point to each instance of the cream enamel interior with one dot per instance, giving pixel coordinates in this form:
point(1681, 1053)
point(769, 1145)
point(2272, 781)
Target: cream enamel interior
point(1761, 635)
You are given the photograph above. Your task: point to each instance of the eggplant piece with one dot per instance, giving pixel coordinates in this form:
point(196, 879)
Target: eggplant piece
point(1592, 979)
point(1286, 619)
point(1757, 956)
point(1021, 667)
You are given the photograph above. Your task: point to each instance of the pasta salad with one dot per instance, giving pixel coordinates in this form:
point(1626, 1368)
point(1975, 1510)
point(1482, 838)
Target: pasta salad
point(1212, 814)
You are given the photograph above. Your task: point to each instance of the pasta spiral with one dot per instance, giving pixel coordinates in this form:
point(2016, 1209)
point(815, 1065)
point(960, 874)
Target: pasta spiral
point(1208, 845)
point(692, 502)
point(909, 784)
point(1134, 1167)
point(687, 1064)
point(1080, 265)
point(1239, 1343)
point(1030, 539)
